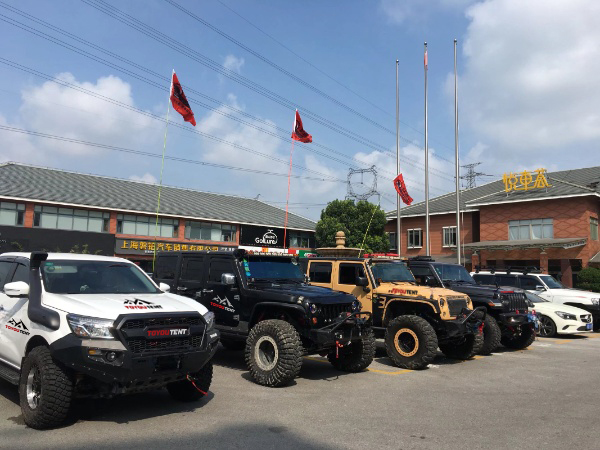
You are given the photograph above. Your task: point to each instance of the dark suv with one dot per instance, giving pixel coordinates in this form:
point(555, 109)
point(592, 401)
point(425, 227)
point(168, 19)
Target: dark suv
point(507, 320)
point(263, 304)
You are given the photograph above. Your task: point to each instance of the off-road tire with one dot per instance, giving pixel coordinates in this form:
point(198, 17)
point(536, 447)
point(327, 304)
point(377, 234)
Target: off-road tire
point(523, 340)
point(418, 330)
point(547, 327)
point(355, 357)
point(185, 391)
point(465, 348)
point(491, 335)
point(281, 366)
point(233, 345)
point(54, 385)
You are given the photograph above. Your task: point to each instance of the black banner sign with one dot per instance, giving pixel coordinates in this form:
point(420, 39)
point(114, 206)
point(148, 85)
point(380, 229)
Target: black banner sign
point(261, 236)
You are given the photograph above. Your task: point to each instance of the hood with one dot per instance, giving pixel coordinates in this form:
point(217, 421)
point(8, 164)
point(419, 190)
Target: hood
point(110, 306)
point(412, 289)
point(572, 294)
point(313, 293)
point(481, 290)
point(549, 307)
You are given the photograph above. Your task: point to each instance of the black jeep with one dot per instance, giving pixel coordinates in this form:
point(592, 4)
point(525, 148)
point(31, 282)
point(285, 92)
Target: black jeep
point(263, 304)
point(507, 320)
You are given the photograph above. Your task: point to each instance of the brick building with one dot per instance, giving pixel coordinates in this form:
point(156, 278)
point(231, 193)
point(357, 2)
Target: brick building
point(554, 227)
point(55, 210)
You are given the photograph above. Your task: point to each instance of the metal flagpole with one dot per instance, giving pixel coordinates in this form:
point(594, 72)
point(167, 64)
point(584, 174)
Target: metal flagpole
point(398, 200)
point(456, 161)
point(427, 246)
point(287, 200)
point(162, 166)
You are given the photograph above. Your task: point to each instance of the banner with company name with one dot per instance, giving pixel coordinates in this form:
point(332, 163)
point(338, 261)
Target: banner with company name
point(141, 247)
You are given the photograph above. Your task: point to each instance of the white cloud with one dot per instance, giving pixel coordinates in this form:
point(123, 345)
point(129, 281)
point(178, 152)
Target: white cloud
point(146, 178)
point(399, 11)
point(529, 88)
point(233, 63)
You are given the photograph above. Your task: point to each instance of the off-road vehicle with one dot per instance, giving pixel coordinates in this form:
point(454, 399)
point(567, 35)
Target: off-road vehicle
point(263, 304)
point(507, 320)
point(414, 320)
point(92, 326)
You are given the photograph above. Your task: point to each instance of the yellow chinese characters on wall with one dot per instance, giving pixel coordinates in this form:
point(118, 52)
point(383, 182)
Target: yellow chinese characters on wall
point(526, 180)
point(164, 246)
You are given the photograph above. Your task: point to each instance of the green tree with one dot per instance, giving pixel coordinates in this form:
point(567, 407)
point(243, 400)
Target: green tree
point(353, 219)
point(589, 279)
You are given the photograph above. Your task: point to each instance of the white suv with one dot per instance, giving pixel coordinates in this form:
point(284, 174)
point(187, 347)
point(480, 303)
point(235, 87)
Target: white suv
point(93, 326)
point(546, 286)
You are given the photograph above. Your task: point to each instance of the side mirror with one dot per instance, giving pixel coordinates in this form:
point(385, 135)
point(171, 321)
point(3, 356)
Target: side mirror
point(164, 287)
point(362, 281)
point(430, 281)
point(227, 279)
point(539, 287)
point(16, 289)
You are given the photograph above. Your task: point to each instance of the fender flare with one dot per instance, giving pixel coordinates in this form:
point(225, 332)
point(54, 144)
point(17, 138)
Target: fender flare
point(275, 305)
point(390, 299)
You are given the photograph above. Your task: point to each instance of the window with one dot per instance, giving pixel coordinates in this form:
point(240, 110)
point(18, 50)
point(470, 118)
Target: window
point(392, 237)
point(529, 283)
point(301, 239)
point(6, 269)
point(530, 229)
point(349, 272)
point(594, 228)
point(165, 267)
point(146, 226)
point(421, 273)
point(320, 272)
point(415, 238)
point(507, 280)
point(449, 236)
point(217, 268)
point(484, 279)
point(21, 274)
point(192, 269)
point(12, 213)
point(70, 219)
point(208, 231)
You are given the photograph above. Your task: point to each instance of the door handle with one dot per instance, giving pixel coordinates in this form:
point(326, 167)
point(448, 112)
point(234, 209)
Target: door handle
point(181, 288)
point(207, 291)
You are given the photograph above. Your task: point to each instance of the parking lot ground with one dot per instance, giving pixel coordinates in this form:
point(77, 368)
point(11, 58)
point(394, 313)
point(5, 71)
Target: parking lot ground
point(542, 397)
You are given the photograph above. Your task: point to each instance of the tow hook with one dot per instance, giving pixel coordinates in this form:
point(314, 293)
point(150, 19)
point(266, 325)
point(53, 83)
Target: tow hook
point(481, 327)
point(338, 345)
point(191, 380)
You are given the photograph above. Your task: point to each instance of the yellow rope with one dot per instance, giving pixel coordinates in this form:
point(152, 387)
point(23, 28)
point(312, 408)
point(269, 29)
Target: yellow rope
point(367, 231)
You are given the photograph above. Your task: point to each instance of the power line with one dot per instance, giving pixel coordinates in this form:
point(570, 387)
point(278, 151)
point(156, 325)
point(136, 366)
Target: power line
point(471, 176)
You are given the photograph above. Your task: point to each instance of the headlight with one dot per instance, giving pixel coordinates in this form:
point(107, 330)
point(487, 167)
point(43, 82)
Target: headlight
point(313, 308)
point(210, 320)
point(356, 306)
point(90, 327)
point(566, 316)
point(596, 301)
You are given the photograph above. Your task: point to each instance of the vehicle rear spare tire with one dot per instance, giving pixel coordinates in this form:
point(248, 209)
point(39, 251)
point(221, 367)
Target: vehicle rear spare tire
point(273, 353)
point(185, 391)
point(491, 335)
point(522, 338)
point(410, 342)
point(463, 348)
point(355, 357)
point(45, 390)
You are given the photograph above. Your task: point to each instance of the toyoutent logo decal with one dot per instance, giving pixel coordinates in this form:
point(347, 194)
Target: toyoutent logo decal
point(140, 304)
point(169, 332)
point(403, 291)
point(18, 327)
point(222, 303)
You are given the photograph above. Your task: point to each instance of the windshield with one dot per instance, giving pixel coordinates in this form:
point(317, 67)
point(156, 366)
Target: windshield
point(535, 298)
point(95, 277)
point(453, 272)
point(551, 282)
point(273, 268)
point(389, 272)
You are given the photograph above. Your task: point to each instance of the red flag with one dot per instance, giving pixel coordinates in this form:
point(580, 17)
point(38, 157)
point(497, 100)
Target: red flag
point(179, 101)
point(299, 134)
point(401, 190)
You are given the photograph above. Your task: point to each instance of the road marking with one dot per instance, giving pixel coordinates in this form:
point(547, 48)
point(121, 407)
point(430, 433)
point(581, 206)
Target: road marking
point(399, 372)
point(565, 342)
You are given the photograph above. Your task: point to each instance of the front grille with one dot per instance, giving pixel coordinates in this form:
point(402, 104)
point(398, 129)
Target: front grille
point(586, 318)
point(161, 321)
point(456, 306)
point(515, 301)
point(330, 312)
point(163, 345)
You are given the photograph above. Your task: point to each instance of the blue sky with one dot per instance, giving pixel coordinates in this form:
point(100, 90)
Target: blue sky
point(527, 92)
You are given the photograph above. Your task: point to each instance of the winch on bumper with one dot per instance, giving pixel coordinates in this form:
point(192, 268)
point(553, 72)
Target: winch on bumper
point(143, 352)
point(346, 327)
point(467, 322)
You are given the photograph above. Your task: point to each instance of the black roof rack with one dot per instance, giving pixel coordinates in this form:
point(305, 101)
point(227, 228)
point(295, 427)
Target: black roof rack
point(421, 258)
point(514, 269)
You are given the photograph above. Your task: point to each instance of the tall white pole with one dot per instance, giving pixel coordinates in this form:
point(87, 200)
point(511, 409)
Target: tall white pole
point(427, 246)
point(456, 161)
point(398, 200)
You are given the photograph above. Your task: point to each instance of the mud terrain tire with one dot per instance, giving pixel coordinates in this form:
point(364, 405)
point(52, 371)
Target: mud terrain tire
point(185, 391)
point(273, 353)
point(357, 356)
point(523, 340)
point(411, 342)
point(466, 348)
point(491, 336)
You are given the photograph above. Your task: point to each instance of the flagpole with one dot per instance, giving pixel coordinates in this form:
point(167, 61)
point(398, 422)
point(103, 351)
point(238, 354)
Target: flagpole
point(427, 246)
point(398, 201)
point(162, 166)
point(287, 200)
point(456, 156)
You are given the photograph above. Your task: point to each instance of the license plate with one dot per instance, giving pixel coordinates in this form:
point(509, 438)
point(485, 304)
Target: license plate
point(588, 326)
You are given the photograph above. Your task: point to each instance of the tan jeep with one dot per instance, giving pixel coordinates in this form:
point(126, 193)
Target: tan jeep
point(414, 320)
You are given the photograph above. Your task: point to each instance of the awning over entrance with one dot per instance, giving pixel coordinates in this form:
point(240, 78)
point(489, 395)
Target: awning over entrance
point(526, 243)
point(595, 259)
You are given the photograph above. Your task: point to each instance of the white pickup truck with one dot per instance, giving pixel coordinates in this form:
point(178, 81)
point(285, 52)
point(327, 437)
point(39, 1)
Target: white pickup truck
point(93, 326)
